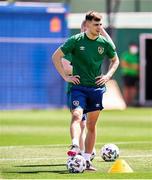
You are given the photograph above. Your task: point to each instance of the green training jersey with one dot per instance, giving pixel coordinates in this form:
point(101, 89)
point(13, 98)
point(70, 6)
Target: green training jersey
point(130, 59)
point(87, 56)
point(68, 57)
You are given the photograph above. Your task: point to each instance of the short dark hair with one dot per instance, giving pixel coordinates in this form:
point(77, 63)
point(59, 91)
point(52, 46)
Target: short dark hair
point(93, 15)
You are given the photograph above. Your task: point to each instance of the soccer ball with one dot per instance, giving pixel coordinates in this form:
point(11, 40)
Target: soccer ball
point(93, 155)
point(109, 152)
point(76, 164)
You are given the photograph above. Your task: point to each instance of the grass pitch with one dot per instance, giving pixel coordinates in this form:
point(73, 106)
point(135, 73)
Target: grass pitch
point(33, 144)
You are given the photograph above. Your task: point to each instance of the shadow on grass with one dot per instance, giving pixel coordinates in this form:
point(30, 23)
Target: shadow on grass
point(40, 165)
point(39, 171)
point(32, 171)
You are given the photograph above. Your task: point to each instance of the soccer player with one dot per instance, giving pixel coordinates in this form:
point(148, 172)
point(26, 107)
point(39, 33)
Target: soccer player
point(88, 83)
point(66, 61)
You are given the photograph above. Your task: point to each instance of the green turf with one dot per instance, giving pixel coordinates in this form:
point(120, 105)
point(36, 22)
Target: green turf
point(33, 144)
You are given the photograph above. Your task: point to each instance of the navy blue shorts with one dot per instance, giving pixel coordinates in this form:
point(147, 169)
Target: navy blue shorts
point(84, 117)
point(87, 98)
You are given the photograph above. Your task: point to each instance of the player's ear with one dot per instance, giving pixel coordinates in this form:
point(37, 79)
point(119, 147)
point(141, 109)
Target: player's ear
point(87, 23)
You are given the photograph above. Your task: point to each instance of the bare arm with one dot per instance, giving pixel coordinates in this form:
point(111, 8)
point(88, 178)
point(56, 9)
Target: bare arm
point(113, 66)
point(57, 61)
point(100, 80)
point(106, 35)
point(67, 66)
point(56, 58)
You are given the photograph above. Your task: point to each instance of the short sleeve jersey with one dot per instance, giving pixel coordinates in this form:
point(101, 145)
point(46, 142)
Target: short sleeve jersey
point(87, 56)
point(68, 57)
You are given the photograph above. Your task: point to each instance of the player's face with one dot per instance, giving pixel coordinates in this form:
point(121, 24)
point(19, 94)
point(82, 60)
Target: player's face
point(95, 27)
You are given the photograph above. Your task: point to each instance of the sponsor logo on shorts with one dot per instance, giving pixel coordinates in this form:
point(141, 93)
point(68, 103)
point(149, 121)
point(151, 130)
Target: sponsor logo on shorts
point(76, 103)
point(97, 105)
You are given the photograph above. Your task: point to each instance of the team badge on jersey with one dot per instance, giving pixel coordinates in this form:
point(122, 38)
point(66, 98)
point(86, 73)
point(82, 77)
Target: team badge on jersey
point(76, 103)
point(100, 49)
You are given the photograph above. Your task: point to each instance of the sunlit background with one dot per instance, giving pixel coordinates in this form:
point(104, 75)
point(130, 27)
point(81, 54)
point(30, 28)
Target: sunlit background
point(31, 31)
point(34, 119)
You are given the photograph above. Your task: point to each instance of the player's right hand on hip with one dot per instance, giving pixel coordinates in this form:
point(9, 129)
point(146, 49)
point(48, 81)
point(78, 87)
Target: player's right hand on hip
point(73, 79)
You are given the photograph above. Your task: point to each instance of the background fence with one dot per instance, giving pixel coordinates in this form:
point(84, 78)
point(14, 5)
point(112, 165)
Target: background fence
point(28, 37)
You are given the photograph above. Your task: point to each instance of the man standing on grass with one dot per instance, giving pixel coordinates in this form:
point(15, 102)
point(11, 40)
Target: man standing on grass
point(88, 50)
point(130, 73)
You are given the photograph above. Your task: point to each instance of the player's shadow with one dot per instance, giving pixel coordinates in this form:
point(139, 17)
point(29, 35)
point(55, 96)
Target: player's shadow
point(40, 165)
point(34, 170)
point(39, 171)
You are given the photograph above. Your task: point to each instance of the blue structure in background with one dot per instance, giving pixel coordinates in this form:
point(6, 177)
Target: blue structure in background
point(29, 34)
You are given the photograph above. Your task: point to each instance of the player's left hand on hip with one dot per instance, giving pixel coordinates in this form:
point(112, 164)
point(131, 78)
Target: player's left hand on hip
point(101, 80)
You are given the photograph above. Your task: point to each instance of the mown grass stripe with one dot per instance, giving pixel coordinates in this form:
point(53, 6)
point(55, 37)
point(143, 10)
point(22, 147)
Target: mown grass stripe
point(62, 158)
point(67, 145)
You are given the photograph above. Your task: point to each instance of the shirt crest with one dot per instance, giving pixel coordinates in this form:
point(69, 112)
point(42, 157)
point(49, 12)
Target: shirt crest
point(100, 49)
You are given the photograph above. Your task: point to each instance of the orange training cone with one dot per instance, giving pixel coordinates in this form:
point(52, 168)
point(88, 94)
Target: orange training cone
point(120, 166)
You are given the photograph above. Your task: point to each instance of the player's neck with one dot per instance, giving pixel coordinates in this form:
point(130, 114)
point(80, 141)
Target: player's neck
point(91, 36)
